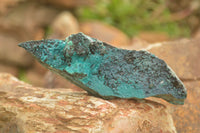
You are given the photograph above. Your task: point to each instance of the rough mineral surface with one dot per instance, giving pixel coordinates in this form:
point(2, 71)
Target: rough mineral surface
point(106, 71)
point(27, 109)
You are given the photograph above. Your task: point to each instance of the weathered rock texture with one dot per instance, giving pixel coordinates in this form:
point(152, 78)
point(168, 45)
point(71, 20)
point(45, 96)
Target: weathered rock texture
point(27, 109)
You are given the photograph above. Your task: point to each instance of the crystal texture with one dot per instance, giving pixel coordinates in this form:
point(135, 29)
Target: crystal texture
point(106, 71)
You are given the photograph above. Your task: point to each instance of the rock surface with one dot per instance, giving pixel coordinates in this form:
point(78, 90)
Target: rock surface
point(6, 4)
point(8, 55)
point(197, 34)
point(53, 80)
point(18, 25)
point(64, 25)
point(187, 117)
point(137, 44)
point(20, 20)
point(105, 33)
point(67, 3)
point(92, 64)
point(182, 56)
point(9, 69)
point(153, 37)
point(27, 109)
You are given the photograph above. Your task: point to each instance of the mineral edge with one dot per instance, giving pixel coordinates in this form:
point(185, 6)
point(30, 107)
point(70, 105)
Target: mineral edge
point(108, 72)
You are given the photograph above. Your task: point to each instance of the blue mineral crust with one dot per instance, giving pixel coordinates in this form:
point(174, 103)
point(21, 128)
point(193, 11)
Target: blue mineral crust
point(108, 72)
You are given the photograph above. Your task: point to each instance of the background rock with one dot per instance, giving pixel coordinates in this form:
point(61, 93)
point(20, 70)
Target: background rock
point(64, 25)
point(34, 78)
point(31, 109)
point(187, 117)
point(53, 80)
point(105, 33)
point(153, 37)
point(18, 26)
point(6, 4)
point(197, 34)
point(9, 69)
point(38, 68)
point(20, 23)
point(36, 74)
point(11, 54)
point(137, 44)
point(182, 56)
point(67, 3)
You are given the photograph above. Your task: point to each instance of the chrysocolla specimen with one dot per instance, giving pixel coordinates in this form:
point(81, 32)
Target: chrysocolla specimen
point(108, 72)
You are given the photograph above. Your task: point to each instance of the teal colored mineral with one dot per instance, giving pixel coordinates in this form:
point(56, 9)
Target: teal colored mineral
point(108, 72)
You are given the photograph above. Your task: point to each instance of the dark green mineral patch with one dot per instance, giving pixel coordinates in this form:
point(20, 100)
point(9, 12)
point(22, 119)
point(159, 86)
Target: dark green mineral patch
point(106, 71)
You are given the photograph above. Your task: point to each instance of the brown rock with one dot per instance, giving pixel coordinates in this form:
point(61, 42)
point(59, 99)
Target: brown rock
point(30, 109)
point(53, 80)
point(38, 68)
point(182, 56)
point(34, 78)
point(39, 76)
point(10, 53)
point(39, 34)
point(137, 44)
point(64, 25)
point(153, 37)
point(9, 69)
point(197, 34)
point(6, 4)
point(67, 3)
point(186, 117)
point(23, 23)
point(105, 33)
point(35, 75)
point(26, 19)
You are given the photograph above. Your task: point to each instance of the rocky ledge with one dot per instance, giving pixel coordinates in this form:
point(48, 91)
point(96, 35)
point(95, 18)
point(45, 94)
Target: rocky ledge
point(28, 109)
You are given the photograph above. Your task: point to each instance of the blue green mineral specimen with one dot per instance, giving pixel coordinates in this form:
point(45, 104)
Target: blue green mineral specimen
point(108, 72)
